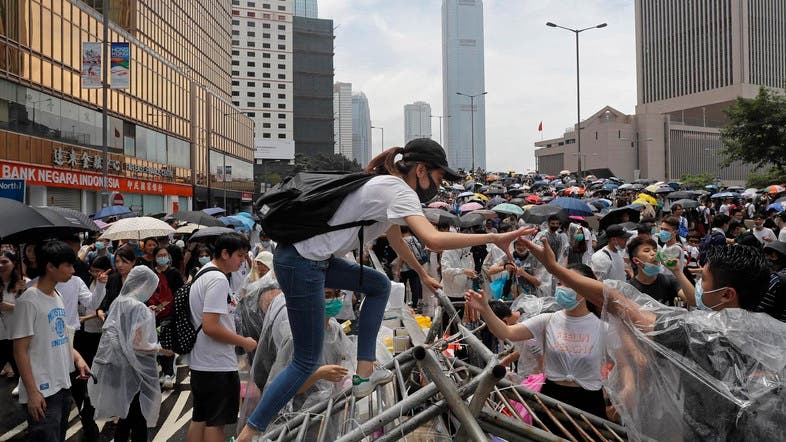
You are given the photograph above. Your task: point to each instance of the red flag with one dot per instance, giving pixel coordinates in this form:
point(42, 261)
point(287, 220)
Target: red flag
point(540, 127)
point(117, 133)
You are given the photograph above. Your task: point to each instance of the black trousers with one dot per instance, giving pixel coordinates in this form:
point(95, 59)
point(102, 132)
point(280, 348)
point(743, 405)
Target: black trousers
point(411, 277)
point(134, 424)
point(586, 400)
point(7, 355)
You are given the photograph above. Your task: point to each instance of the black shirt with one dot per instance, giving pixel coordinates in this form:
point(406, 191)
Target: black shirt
point(664, 289)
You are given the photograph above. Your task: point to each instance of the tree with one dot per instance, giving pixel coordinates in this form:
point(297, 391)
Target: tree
point(325, 162)
point(697, 181)
point(761, 180)
point(756, 132)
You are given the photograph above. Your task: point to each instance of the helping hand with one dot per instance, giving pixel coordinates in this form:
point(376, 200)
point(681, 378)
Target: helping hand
point(332, 373)
point(543, 253)
point(475, 303)
point(430, 283)
point(504, 240)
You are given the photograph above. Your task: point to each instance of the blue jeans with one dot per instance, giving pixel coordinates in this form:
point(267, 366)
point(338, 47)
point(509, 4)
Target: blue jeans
point(303, 282)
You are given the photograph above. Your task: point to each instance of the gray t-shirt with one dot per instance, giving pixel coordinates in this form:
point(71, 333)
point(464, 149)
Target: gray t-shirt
point(43, 317)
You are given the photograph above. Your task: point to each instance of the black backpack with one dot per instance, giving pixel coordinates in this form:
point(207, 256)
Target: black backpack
point(300, 207)
point(183, 333)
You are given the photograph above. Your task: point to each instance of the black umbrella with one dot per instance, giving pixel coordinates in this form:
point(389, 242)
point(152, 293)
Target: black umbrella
point(210, 232)
point(685, 203)
point(20, 223)
point(75, 214)
point(682, 194)
point(518, 201)
point(471, 220)
point(439, 216)
point(198, 217)
point(73, 221)
point(539, 214)
point(616, 217)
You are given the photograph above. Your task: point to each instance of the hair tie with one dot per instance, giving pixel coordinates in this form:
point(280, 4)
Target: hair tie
point(398, 158)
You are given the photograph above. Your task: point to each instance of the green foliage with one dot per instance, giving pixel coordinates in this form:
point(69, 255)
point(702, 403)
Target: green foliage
point(762, 180)
point(756, 132)
point(325, 162)
point(694, 182)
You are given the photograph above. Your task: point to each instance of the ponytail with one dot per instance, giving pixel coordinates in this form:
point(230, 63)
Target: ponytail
point(386, 164)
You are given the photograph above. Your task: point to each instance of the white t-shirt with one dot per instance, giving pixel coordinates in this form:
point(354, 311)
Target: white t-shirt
point(385, 198)
point(211, 294)
point(73, 292)
point(6, 318)
point(44, 318)
point(607, 264)
point(238, 279)
point(574, 349)
point(782, 234)
point(763, 234)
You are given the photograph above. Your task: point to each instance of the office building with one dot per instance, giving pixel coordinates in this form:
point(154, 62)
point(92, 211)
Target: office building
point(463, 72)
point(306, 8)
point(262, 77)
point(693, 59)
point(312, 63)
point(361, 129)
point(163, 148)
point(342, 118)
point(417, 120)
point(606, 143)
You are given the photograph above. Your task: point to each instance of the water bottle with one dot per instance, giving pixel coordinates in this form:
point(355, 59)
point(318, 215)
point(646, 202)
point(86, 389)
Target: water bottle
point(671, 255)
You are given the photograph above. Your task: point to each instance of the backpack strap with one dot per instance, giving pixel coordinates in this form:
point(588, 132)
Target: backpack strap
point(200, 273)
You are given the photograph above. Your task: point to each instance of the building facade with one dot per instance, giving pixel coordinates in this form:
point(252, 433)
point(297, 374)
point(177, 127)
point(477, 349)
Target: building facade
point(361, 129)
point(417, 120)
point(161, 147)
point(463, 73)
point(607, 142)
point(693, 60)
point(306, 8)
point(313, 85)
point(342, 118)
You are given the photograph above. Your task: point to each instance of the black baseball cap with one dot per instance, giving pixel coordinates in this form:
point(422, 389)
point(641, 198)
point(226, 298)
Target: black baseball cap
point(428, 151)
point(617, 231)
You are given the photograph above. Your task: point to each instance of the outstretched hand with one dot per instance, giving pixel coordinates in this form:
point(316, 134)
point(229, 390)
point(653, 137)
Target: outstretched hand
point(475, 303)
point(543, 253)
point(504, 240)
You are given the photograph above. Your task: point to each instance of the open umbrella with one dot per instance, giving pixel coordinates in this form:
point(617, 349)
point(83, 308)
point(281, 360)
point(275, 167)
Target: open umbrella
point(518, 201)
point(777, 205)
point(465, 194)
point(108, 211)
point(610, 186)
point(486, 213)
point(572, 206)
point(137, 228)
point(469, 207)
point(664, 189)
point(539, 214)
point(439, 216)
point(497, 200)
point(439, 204)
point(67, 223)
point(240, 223)
point(508, 209)
point(652, 188)
point(471, 220)
point(212, 211)
point(711, 187)
point(626, 186)
point(191, 227)
point(725, 195)
point(197, 217)
point(210, 232)
point(685, 203)
point(617, 216)
point(682, 194)
point(21, 223)
point(647, 198)
point(481, 197)
point(775, 189)
point(457, 187)
point(80, 217)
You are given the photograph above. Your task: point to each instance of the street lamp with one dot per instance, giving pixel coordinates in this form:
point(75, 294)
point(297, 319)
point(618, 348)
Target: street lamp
point(382, 140)
point(440, 125)
point(472, 121)
point(578, 91)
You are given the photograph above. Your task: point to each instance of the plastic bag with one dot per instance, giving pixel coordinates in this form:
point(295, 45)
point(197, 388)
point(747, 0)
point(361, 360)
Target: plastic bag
point(697, 375)
point(497, 286)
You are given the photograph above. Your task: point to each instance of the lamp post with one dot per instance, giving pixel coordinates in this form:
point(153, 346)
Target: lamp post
point(440, 125)
point(382, 140)
point(472, 121)
point(578, 90)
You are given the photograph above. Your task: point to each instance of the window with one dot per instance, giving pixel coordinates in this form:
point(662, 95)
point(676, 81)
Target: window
point(251, 64)
point(234, 12)
point(281, 116)
point(235, 83)
point(282, 27)
point(235, 2)
point(282, 96)
point(235, 42)
point(251, 104)
point(265, 135)
point(266, 105)
point(251, 74)
point(282, 56)
point(267, 85)
point(251, 94)
point(266, 75)
point(282, 135)
point(235, 93)
point(282, 86)
point(251, 14)
point(235, 73)
point(251, 24)
point(266, 45)
point(265, 125)
point(252, 4)
point(251, 34)
point(251, 114)
point(282, 8)
point(235, 62)
point(236, 22)
point(235, 52)
point(282, 125)
point(266, 95)
point(251, 44)
point(265, 55)
point(265, 35)
point(251, 54)
point(282, 66)
point(282, 76)
point(282, 105)
point(282, 47)
point(251, 84)
point(266, 65)
point(266, 115)
point(282, 37)
point(235, 32)
point(236, 103)
point(265, 25)
point(265, 5)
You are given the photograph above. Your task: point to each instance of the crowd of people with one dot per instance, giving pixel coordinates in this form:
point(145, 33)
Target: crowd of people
point(93, 322)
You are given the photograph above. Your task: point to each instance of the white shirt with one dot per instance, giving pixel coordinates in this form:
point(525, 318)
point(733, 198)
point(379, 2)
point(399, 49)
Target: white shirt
point(211, 294)
point(6, 318)
point(607, 264)
point(782, 234)
point(74, 292)
point(386, 199)
point(764, 235)
point(87, 307)
point(44, 318)
point(574, 347)
point(454, 262)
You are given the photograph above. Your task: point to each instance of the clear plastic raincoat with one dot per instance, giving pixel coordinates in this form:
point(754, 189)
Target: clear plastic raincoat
point(125, 363)
point(698, 375)
point(454, 262)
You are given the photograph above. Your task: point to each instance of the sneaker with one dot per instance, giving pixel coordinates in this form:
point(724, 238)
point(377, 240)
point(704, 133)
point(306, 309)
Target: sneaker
point(168, 382)
point(362, 387)
point(15, 391)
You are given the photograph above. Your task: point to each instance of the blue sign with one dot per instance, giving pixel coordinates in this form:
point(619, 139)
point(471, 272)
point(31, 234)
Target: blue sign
point(13, 189)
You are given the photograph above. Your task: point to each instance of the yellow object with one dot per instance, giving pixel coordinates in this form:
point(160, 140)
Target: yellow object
point(647, 199)
point(481, 196)
point(423, 321)
point(346, 326)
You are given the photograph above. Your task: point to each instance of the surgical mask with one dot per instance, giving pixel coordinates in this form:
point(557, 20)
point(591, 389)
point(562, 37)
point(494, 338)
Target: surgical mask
point(265, 244)
point(664, 236)
point(428, 194)
point(566, 298)
point(650, 269)
point(163, 260)
point(333, 307)
point(204, 260)
point(100, 245)
point(580, 237)
point(699, 293)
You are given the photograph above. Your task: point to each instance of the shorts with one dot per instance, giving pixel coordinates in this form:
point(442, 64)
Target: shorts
point(216, 397)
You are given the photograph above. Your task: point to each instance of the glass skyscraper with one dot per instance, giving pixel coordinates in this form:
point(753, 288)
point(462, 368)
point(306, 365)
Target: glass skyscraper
point(306, 8)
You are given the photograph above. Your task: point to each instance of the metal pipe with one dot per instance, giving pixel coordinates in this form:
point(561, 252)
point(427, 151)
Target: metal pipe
point(520, 429)
point(325, 421)
point(488, 378)
point(427, 361)
point(301, 435)
point(436, 325)
point(401, 385)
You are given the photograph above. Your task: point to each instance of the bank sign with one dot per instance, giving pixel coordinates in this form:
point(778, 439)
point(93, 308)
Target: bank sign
point(13, 189)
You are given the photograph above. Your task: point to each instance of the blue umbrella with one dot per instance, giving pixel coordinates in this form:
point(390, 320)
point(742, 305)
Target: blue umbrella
point(609, 186)
point(112, 211)
point(465, 194)
point(776, 206)
point(541, 183)
point(240, 223)
point(711, 187)
point(573, 206)
point(725, 195)
point(212, 211)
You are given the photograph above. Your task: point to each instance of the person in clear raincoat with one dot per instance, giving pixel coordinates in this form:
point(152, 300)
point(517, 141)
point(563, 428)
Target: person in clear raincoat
point(715, 373)
point(274, 352)
point(125, 363)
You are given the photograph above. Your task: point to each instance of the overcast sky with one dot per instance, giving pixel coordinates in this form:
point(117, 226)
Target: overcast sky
point(391, 51)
